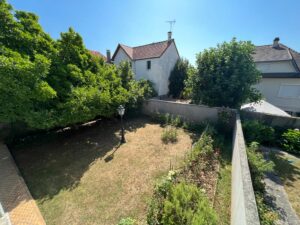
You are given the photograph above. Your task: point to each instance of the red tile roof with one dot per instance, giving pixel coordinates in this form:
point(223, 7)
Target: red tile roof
point(96, 53)
point(153, 50)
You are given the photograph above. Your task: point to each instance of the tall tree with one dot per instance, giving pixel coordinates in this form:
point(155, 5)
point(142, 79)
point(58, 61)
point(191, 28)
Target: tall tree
point(226, 75)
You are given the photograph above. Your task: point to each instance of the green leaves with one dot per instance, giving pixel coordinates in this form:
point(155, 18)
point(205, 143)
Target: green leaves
point(46, 83)
point(225, 75)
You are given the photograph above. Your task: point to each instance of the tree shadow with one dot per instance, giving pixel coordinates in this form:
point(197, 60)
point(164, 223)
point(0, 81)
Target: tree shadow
point(56, 161)
point(285, 169)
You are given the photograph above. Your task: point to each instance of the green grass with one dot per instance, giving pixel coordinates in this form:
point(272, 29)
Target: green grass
point(287, 167)
point(222, 202)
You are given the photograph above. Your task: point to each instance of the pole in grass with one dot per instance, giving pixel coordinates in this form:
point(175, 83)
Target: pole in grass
point(121, 111)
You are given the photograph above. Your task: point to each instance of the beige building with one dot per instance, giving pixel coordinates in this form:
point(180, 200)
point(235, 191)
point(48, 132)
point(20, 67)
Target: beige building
point(280, 68)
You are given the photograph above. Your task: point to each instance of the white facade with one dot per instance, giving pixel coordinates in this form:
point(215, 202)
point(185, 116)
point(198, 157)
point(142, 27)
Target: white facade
point(281, 92)
point(160, 69)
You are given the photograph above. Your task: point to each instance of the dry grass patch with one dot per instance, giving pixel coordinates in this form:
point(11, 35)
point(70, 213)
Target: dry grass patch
point(83, 177)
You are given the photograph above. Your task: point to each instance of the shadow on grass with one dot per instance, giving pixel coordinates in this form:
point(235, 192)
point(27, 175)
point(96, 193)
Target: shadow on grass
point(284, 168)
point(56, 161)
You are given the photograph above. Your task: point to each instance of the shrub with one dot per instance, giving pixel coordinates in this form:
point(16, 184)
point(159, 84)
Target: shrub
point(169, 135)
point(291, 141)
point(177, 78)
point(203, 147)
point(256, 131)
point(127, 221)
point(186, 204)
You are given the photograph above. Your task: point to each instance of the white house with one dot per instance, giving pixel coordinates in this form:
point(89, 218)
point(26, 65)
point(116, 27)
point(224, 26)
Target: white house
point(280, 68)
point(153, 62)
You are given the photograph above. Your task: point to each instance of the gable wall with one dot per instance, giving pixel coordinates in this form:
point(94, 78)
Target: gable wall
point(160, 69)
point(121, 56)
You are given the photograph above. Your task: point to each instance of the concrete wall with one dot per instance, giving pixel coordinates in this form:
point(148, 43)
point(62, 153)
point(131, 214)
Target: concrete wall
point(190, 112)
point(243, 203)
point(276, 67)
point(270, 88)
point(273, 120)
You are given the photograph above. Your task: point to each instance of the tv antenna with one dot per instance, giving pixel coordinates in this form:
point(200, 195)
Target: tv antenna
point(171, 22)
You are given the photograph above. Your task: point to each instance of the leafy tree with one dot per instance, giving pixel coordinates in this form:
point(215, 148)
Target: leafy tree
point(177, 77)
point(226, 75)
point(48, 83)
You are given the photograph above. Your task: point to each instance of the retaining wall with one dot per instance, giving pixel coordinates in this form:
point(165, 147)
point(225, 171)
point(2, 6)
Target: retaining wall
point(273, 120)
point(243, 204)
point(191, 112)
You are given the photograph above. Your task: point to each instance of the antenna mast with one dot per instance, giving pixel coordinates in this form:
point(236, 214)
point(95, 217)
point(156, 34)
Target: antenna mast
point(171, 22)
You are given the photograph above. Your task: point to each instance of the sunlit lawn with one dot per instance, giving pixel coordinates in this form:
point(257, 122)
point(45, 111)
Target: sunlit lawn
point(288, 168)
point(81, 177)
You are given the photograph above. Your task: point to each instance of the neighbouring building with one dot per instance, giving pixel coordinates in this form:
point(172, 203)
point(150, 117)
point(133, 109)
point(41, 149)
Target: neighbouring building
point(153, 62)
point(280, 68)
point(99, 54)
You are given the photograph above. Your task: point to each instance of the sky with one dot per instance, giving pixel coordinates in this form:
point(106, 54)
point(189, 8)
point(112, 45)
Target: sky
point(200, 24)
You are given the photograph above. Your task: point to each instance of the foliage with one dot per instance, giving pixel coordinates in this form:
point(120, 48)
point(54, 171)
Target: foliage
point(255, 130)
point(126, 73)
point(48, 83)
point(225, 76)
point(188, 82)
point(258, 167)
point(203, 148)
point(186, 204)
point(169, 135)
point(127, 221)
point(291, 141)
point(177, 77)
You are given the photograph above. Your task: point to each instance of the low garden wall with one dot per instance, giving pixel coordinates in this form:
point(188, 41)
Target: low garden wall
point(243, 203)
point(191, 112)
point(273, 120)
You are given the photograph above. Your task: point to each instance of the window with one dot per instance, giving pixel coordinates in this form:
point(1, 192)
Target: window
point(289, 91)
point(148, 65)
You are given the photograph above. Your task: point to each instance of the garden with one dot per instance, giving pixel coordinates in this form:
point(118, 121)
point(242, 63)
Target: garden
point(273, 152)
point(84, 175)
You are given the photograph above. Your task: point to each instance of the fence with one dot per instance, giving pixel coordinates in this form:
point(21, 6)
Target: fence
point(191, 112)
point(243, 203)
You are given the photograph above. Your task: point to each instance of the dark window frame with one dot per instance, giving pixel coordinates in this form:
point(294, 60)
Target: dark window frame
point(149, 65)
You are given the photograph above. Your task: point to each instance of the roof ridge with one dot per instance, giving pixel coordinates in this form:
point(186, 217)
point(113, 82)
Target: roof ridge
point(126, 45)
point(152, 43)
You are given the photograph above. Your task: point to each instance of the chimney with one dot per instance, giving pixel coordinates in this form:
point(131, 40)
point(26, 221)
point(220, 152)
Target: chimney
point(169, 36)
point(108, 58)
point(276, 42)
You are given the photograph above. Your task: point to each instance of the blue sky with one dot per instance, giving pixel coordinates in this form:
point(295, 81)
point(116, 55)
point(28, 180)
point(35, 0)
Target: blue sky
point(199, 24)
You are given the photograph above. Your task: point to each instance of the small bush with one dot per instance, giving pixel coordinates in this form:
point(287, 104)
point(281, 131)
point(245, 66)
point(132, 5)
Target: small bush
point(127, 221)
point(291, 141)
point(203, 147)
point(258, 132)
point(169, 135)
point(186, 204)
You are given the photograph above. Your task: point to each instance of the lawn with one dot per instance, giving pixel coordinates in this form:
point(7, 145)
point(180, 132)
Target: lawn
point(288, 168)
point(83, 177)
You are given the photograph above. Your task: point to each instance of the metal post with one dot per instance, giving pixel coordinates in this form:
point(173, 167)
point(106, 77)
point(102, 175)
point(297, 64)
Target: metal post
point(122, 132)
